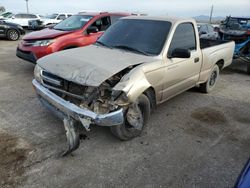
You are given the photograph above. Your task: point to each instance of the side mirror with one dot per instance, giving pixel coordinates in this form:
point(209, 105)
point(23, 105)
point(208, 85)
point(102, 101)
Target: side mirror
point(180, 53)
point(92, 29)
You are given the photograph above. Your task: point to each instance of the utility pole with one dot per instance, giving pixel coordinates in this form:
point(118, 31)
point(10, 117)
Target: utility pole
point(211, 14)
point(27, 6)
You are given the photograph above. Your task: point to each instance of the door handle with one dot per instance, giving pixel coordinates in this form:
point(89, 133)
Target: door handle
point(196, 60)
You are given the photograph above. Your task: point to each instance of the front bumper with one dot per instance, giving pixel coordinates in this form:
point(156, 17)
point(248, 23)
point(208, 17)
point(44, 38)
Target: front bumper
point(28, 56)
point(85, 116)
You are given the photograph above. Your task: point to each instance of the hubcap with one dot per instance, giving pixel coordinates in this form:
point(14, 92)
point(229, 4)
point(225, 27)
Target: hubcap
point(213, 78)
point(13, 35)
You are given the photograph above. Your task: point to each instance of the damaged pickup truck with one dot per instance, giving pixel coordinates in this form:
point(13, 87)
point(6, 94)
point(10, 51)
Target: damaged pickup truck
point(137, 64)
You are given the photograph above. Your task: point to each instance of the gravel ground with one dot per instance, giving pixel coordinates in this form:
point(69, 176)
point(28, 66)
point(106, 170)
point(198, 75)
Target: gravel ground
point(193, 140)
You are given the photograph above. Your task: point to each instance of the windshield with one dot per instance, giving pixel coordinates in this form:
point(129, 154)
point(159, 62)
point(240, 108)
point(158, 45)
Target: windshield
point(52, 16)
point(139, 36)
point(73, 23)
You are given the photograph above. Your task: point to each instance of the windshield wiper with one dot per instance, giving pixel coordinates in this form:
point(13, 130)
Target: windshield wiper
point(103, 44)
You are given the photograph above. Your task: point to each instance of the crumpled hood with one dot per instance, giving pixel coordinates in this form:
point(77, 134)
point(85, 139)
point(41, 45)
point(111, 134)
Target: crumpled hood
point(44, 34)
point(90, 65)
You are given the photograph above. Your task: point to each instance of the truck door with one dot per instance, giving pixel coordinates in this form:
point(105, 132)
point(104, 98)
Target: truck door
point(182, 73)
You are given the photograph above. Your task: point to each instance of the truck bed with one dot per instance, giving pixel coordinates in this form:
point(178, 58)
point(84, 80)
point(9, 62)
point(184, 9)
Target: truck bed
point(206, 43)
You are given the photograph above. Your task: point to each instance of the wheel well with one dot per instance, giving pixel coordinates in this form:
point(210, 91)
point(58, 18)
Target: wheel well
point(220, 64)
point(150, 93)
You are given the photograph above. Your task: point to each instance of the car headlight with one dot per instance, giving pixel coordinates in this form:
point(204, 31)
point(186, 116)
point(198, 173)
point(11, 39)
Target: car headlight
point(37, 73)
point(43, 42)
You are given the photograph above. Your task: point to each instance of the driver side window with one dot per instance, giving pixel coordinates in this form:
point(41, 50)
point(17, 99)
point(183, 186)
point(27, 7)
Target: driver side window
point(184, 38)
point(102, 24)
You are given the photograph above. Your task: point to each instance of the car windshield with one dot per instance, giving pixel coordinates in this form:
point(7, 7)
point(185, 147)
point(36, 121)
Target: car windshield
point(52, 16)
point(73, 23)
point(139, 36)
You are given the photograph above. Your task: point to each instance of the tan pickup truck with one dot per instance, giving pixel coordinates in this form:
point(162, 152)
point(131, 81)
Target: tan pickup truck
point(137, 64)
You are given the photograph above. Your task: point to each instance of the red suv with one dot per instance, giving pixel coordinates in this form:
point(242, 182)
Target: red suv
point(78, 30)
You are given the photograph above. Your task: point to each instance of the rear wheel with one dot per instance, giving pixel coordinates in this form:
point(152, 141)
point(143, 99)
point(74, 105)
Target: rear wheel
point(13, 35)
point(135, 119)
point(208, 86)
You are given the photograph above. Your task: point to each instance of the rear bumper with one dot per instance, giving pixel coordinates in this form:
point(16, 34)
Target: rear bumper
point(28, 56)
point(66, 109)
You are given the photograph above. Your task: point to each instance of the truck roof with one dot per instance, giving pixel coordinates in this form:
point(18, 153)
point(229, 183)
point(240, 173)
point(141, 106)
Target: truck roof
point(160, 18)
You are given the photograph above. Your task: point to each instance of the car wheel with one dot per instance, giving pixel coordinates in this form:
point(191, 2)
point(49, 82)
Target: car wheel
point(13, 35)
point(135, 119)
point(208, 86)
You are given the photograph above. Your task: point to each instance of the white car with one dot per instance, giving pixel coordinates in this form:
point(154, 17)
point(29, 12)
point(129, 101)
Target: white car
point(23, 19)
point(207, 31)
point(5, 15)
point(55, 18)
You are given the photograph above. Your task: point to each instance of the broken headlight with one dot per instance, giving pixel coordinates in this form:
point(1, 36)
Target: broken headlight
point(37, 73)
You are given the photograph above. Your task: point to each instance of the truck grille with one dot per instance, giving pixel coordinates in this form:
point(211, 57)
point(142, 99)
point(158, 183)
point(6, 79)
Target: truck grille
point(62, 87)
point(52, 80)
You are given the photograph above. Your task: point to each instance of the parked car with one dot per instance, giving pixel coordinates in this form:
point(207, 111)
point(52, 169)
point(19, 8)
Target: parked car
point(10, 30)
point(207, 31)
point(75, 31)
point(137, 64)
point(55, 18)
point(243, 180)
point(6, 15)
point(47, 21)
point(23, 19)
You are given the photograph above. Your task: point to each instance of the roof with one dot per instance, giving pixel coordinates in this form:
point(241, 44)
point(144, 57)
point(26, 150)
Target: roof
point(99, 13)
point(159, 18)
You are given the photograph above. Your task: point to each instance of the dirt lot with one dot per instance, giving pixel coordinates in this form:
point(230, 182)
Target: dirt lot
point(194, 140)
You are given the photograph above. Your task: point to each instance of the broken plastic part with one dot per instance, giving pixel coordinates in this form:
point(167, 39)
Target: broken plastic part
point(72, 136)
point(85, 122)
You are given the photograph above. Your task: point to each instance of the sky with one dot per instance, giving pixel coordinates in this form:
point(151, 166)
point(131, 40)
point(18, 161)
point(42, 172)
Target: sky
point(181, 8)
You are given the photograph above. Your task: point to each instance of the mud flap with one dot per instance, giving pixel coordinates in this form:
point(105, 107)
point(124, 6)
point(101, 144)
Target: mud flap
point(72, 136)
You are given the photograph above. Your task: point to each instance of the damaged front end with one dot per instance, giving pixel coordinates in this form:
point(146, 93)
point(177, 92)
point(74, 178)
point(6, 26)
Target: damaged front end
point(73, 103)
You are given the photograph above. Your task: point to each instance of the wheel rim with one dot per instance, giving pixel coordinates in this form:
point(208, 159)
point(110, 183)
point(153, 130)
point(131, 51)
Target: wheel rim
point(213, 78)
point(134, 117)
point(13, 35)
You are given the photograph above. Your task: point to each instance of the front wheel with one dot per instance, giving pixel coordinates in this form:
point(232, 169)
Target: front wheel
point(209, 85)
point(135, 119)
point(13, 35)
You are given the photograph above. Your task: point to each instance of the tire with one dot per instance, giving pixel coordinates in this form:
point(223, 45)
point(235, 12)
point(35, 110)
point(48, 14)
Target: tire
point(209, 85)
point(248, 68)
point(126, 131)
point(13, 35)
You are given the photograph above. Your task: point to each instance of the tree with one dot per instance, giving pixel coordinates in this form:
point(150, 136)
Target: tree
point(2, 9)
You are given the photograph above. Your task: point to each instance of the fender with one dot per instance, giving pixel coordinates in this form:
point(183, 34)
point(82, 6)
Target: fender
point(133, 84)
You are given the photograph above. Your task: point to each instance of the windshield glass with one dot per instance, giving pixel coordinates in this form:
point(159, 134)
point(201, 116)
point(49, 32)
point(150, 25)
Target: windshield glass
point(52, 16)
point(139, 36)
point(73, 23)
